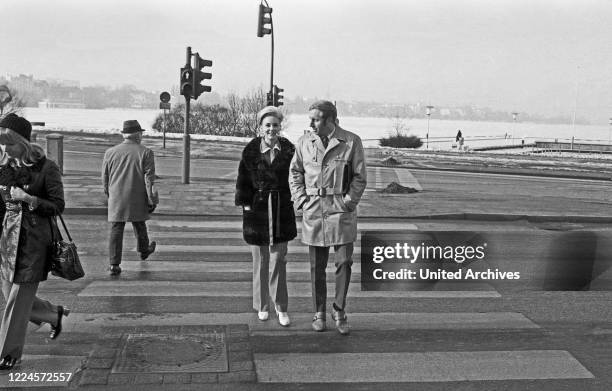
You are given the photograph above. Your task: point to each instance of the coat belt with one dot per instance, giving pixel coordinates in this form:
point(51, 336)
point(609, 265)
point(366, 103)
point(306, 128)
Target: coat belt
point(322, 191)
point(271, 214)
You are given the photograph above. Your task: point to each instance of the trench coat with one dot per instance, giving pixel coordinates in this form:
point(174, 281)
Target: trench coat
point(327, 184)
point(128, 174)
point(265, 188)
point(27, 237)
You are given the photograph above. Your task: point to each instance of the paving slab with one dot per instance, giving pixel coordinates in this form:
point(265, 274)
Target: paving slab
point(42, 371)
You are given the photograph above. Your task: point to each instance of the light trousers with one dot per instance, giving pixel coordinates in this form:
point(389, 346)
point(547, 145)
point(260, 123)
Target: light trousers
point(22, 306)
point(266, 284)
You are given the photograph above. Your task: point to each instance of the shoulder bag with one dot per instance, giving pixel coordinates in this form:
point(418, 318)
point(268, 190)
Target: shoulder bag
point(65, 261)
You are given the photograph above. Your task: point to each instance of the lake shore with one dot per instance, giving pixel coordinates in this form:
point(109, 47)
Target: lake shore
point(580, 166)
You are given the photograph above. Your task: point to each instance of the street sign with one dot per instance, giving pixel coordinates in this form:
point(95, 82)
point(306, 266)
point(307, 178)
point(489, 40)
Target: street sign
point(164, 97)
point(164, 105)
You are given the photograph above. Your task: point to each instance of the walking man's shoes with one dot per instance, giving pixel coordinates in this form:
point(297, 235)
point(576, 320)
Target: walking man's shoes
point(114, 270)
point(341, 321)
point(318, 322)
point(149, 251)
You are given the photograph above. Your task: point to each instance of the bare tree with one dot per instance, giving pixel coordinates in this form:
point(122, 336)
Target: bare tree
point(398, 124)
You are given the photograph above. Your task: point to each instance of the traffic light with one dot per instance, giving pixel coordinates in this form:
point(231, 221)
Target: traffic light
point(269, 99)
point(277, 97)
point(199, 76)
point(265, 17)
point(186, 81)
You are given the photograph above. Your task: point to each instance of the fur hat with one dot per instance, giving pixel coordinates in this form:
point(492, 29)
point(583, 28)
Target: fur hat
point(269, 110)
point(17, 124)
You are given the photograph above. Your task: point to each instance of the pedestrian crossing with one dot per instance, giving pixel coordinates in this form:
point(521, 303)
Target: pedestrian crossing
point(439, 334)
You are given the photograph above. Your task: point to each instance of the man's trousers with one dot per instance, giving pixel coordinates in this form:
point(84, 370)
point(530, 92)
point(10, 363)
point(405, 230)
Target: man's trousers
point(115, 245)
point(318, 262)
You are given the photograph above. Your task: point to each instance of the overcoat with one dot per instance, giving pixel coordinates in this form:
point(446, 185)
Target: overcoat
point(265, 188)
point(127, 171)
point(328, 183)
point(25, 249)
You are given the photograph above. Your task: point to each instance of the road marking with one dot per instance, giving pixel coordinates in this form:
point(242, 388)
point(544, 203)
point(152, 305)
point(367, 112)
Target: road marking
point(301, 322)
point(418, 367)
point(244, 289)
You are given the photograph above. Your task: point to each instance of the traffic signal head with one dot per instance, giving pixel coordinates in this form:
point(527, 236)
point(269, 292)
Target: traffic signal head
point(186, 81)
point(265, 18)
point(199, 76)
point(277, 97)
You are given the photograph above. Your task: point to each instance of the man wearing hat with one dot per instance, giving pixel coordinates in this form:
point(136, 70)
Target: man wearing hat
point(128, 175)
point(327, 178)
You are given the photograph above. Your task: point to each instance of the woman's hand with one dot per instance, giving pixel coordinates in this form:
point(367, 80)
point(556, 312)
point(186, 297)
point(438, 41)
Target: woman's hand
point(18, 194)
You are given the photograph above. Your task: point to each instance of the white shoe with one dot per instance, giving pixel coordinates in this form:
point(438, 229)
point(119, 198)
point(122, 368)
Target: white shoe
point(283, 319)
point(263, 315)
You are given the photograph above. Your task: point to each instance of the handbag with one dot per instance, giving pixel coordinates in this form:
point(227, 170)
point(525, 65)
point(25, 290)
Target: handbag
point(65, 261)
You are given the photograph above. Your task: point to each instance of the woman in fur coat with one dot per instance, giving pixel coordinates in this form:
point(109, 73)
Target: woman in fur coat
point(262, 189)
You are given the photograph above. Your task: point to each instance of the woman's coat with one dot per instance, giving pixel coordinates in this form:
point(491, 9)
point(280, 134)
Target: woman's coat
point(26, 254)
point(265, 188)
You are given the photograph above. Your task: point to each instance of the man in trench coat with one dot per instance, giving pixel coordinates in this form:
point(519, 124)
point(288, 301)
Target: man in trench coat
point(327, 178)
point(128, 175)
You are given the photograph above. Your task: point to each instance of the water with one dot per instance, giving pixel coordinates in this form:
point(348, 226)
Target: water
point(441, 132)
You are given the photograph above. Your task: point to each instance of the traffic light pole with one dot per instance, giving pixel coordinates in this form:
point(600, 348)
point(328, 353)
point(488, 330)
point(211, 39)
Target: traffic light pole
point(186, 141)
point(271, 56)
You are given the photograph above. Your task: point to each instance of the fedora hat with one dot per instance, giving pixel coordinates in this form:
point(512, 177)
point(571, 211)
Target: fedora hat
point(131, 126)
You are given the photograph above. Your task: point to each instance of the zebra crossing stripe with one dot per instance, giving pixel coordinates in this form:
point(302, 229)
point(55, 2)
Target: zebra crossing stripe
point(418, 367)
point(244, 289)
point(301, 322)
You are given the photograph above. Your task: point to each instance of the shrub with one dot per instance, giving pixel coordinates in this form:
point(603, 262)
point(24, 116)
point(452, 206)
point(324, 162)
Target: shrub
point(400, 140)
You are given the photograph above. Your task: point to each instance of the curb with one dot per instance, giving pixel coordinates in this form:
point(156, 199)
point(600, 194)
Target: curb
point(444, 216)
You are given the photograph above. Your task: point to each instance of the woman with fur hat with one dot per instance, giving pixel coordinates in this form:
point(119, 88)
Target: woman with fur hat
point(262, 189)
point(32, 193)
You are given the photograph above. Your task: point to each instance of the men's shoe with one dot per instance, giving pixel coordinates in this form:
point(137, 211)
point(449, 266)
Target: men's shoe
point(149, 251)
point(341, 321)
point(114, 270)
point(263, 315)
point(318, 322)
point(56, 330)
point(8, 363)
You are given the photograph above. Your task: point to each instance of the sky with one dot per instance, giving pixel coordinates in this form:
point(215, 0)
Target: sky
point(538, 56)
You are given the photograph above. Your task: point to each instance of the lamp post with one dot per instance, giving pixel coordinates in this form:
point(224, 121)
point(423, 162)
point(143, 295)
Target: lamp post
point(514, 118)
point(610, 131)
point(428, 114)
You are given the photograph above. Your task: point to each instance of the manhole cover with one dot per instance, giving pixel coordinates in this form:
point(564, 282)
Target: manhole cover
point(151, 353)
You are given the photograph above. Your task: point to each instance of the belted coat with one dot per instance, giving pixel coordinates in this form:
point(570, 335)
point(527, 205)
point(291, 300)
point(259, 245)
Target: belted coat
point(327, 184)
point(28, 234)
point(264, 187)
point(128, 173)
